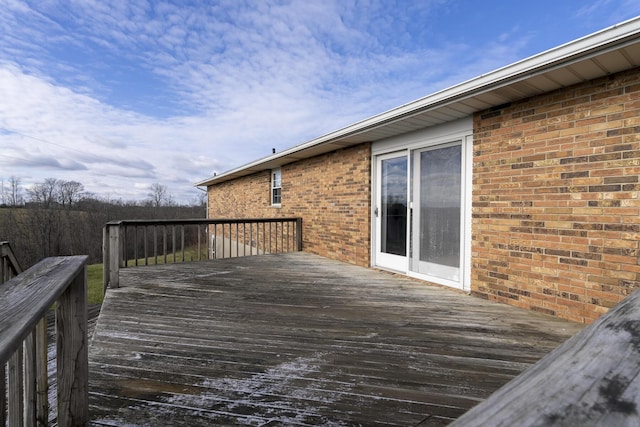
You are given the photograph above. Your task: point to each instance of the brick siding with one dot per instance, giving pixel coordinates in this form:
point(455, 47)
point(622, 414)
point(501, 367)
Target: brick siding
point(556, 205)
point(330, 192)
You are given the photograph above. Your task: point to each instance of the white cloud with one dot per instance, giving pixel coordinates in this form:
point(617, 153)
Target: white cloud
point(124, 94)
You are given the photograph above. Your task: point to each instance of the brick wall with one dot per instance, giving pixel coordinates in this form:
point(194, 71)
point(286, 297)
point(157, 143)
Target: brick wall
point(331, 193)
point(556, 205)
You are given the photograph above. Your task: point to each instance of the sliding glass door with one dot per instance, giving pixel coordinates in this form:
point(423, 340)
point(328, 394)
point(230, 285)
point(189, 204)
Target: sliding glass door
point(437, 211)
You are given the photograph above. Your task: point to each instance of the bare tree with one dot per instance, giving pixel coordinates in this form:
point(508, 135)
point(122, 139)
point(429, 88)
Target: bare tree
point(45, 193)
point(159, 195)
point(14, 192)
point(70, 193)
point(48, 227)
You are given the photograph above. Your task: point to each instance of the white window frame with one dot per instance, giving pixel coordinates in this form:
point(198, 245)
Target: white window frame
point(276, 184)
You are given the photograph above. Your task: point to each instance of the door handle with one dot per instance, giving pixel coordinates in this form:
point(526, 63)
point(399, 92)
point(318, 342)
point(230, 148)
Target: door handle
point(375, 211)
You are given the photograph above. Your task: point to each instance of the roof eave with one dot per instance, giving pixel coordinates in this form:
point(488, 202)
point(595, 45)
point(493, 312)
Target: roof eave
point(598, 43)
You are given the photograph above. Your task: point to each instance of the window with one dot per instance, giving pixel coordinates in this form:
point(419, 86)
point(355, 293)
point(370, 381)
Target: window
point(276, 187)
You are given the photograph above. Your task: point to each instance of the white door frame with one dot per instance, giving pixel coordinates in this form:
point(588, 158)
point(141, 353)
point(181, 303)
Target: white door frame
point(459, 130)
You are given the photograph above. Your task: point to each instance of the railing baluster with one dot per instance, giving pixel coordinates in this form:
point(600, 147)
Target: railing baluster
point(125, 252)
point(42, 374)
point(30, 368)
point(173, 242)
point(215, 241)
point(146, 253)
point(164, 243)
point(155, 245)
point(199, 243)
point(16, 388)
point(3, 394)
point(182, 242)
point(135, 245)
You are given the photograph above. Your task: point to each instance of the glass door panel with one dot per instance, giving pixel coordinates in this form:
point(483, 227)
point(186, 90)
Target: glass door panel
point(394, 206)
point(437, 196)
point(391, 212)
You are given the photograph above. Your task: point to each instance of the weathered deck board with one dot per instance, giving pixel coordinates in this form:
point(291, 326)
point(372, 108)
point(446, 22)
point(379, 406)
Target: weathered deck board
point(296, 339)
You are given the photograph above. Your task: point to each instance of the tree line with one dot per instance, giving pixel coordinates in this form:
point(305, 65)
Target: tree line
point(57, 217)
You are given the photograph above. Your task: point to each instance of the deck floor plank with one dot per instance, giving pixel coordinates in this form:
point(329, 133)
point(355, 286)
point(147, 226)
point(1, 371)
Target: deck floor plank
point(296, 339)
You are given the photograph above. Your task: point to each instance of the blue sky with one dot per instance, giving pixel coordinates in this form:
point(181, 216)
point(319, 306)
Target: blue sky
point(121, 94)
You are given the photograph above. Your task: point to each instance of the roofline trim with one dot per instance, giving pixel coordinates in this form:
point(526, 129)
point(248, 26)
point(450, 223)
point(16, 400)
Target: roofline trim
point(566, 54)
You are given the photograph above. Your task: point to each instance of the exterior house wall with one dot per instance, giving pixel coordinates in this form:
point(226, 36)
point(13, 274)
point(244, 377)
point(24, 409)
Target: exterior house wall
point(556, 224)
point(555, 199)
point(330, 192)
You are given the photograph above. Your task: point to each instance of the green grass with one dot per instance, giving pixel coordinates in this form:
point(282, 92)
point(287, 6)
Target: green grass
point(95, 292)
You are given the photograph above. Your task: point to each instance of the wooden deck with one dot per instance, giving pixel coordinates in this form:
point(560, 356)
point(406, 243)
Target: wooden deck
point(297, 339)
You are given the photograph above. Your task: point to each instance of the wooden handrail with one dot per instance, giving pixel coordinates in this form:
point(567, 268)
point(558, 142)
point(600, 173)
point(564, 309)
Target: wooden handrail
point(593, 379)
point(128, 241)
point(9, 265)
point(24, 303)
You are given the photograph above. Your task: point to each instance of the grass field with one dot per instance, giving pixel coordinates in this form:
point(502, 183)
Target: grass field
point(95, 293)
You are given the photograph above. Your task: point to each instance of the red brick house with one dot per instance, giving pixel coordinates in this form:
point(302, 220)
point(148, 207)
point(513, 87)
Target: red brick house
point(521, 185)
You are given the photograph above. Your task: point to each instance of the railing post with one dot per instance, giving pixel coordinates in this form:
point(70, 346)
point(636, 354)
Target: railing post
point(299, 234)
point(105, 258)
point(114, 256)
point(72, 351)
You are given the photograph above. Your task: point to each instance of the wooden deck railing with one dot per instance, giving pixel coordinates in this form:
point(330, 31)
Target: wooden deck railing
point(9, 265)
point(143, 242)
point(24, 302)
point(593, 379)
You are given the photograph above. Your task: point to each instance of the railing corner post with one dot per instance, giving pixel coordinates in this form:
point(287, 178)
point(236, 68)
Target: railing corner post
point(105, 258)
point(73, 353)
point(299, 233)
point(114, 256)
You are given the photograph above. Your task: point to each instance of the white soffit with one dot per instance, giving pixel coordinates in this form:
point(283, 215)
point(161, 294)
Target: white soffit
point(611, 50)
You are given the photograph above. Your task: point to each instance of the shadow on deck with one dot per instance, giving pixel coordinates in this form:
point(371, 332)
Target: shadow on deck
point(296, 339)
